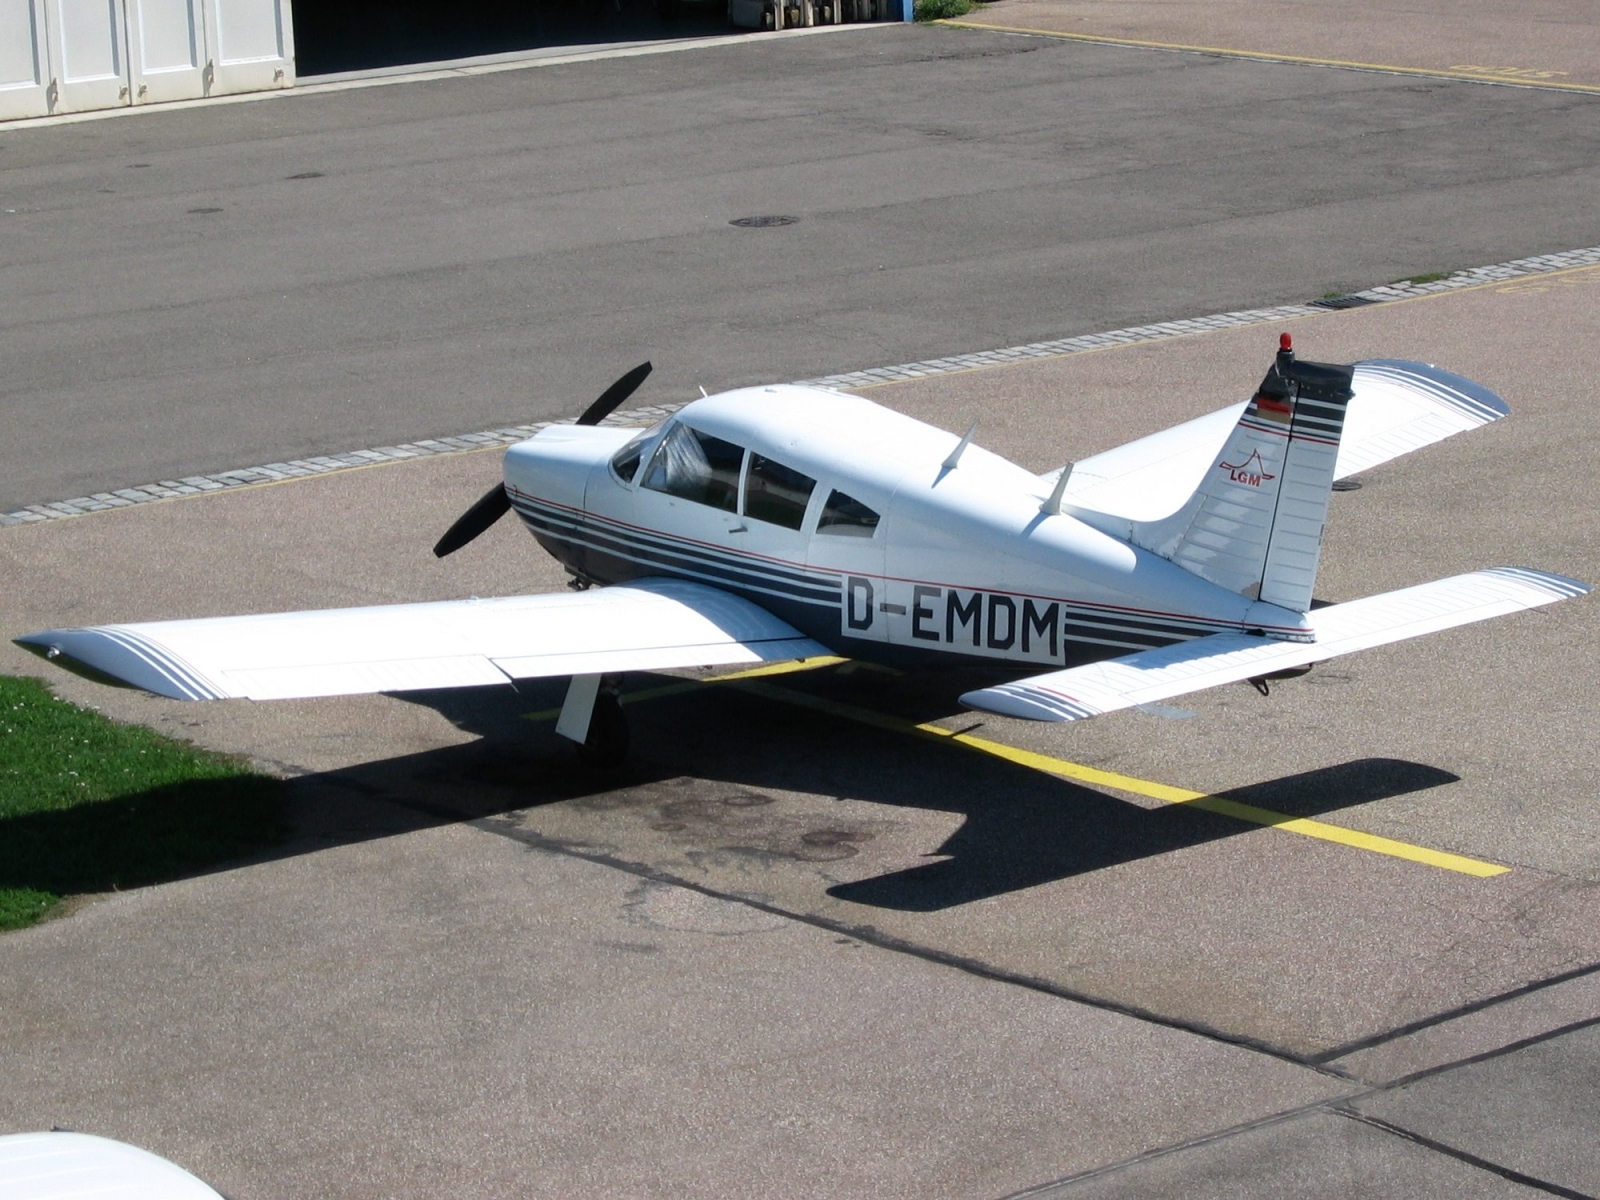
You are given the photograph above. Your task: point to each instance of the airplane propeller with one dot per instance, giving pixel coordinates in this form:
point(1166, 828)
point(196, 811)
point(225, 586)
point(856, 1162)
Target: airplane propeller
point(494, 503)
point(611, 399)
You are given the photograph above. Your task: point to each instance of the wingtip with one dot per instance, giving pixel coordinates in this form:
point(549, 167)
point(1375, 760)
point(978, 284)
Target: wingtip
point(1026, 703)
point(1467, 396)
point(119, 657)
point(38, 643)
point(1557, 587)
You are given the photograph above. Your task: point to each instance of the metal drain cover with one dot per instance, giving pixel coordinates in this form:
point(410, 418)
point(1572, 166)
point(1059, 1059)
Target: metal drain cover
point(1343, 302)
point(767, 222)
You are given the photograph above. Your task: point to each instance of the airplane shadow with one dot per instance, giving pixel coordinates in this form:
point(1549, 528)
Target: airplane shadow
point(1020, 828)
point(704, 758)
point(1004, 847)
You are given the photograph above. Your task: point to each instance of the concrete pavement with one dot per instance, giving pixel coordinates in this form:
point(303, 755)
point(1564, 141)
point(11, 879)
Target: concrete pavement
point(753, 815)
point(1548, 43)
point(451, 1013)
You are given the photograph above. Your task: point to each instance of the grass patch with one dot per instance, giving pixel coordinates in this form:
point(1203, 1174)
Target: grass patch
point(941, 10)
point(1426, 277)
point(88, 805)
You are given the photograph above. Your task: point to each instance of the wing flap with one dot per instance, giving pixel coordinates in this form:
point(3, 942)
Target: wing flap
point(308, 679)
point(645, 625)
point(1150, 675)
point(661, 658)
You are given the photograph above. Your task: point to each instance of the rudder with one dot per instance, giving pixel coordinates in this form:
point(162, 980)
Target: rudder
point(1254, 525)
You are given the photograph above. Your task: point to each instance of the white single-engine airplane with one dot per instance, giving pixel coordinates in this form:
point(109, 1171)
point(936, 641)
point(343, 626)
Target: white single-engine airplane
point(787, 522)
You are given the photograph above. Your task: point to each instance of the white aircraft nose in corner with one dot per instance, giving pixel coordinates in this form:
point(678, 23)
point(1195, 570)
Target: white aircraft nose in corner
point(794, 522)
point(59, 1165)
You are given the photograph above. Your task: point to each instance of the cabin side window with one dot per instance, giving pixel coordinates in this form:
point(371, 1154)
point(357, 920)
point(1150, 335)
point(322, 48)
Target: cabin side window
point(846, 516)
point(775, 493)
point(696, 466)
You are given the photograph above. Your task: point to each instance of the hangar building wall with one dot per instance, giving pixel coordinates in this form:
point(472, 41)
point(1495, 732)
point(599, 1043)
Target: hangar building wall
point(61, 56)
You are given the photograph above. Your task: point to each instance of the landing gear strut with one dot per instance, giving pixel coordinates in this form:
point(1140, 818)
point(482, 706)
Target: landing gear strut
point(607, 743)
point(592, 719)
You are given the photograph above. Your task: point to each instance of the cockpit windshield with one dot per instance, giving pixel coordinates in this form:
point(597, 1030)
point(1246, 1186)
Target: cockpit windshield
point(698, 467)
point(625, 462)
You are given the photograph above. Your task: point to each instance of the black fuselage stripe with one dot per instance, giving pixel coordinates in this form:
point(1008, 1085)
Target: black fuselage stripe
point(1117, 637)
point(665, 562)
point(622, 536)
point(1082, 624)
point(694, 566)
point(621, 529)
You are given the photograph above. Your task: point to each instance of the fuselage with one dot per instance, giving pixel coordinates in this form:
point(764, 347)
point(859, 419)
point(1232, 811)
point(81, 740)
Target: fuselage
point(841, 517)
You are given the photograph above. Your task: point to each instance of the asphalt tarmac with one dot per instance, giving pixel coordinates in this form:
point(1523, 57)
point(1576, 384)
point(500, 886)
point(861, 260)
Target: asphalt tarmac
point(218, 286)
point(803, 947)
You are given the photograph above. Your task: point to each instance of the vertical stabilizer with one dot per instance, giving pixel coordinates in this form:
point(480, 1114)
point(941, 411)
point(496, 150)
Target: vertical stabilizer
point(1254, 525)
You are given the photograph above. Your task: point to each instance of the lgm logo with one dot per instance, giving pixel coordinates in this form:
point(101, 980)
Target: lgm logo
point(992, 624)
point(1252, 472)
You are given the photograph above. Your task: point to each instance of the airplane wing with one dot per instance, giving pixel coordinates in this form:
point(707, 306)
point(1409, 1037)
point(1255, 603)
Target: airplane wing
point(1150, 675)
point(647, 625)
point(76, 1166)
point(1398, 407)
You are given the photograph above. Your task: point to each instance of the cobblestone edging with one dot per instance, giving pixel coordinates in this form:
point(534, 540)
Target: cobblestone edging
point(322, 464)
point(1589, 256)
point(300, 468)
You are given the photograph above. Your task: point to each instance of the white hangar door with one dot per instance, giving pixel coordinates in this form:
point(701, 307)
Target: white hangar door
point(60, 56)
point(166, 49)
point(84, 41)
point(183, 49)
point(249, 45)
point(24, 63)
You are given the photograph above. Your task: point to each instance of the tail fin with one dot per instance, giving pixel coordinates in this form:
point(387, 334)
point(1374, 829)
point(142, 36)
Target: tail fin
point(1254, 525)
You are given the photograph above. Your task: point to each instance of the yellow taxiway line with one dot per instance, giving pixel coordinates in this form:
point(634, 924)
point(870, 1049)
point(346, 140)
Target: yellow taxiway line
point(1508, 77)
point(753, 680)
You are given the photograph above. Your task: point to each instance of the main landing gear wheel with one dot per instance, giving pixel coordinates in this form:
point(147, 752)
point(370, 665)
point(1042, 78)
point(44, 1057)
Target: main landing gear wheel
point(606, 746)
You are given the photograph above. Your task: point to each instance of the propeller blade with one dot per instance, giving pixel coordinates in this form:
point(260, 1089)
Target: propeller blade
point(494, 505)
point(614, 395)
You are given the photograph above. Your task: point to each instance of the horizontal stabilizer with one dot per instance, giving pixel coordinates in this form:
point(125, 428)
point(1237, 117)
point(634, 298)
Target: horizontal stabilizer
point(1398, 407)
point(1191, 666)
point(646, 625)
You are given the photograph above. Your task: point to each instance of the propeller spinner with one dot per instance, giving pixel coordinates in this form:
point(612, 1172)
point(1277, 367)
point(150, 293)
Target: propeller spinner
point(494, 503)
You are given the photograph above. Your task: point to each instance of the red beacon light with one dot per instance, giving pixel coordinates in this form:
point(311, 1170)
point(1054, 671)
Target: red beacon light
point(1285, 342)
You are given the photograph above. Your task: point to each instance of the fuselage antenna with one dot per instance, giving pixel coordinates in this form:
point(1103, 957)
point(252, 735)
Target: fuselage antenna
point(955, 455)
point(1052, 506)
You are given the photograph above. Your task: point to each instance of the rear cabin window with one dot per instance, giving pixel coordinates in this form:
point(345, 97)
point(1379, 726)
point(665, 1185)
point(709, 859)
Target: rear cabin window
point(847, 516)
point(698, 467)
point(775, 493)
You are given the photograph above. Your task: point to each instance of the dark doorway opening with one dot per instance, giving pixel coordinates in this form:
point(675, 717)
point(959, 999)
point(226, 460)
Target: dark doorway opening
point(334, 36)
